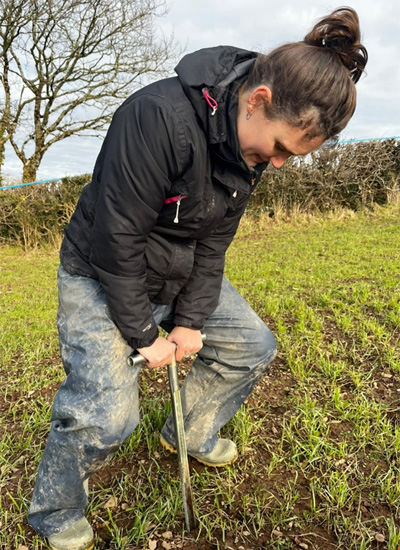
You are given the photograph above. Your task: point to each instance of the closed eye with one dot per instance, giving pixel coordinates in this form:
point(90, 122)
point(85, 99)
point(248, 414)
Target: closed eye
point(283, 149)
point(280, 147)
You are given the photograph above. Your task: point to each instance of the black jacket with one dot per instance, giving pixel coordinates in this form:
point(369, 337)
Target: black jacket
point(168, 190)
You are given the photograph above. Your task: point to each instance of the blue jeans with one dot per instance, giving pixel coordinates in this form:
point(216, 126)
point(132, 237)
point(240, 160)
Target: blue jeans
point(96, 407)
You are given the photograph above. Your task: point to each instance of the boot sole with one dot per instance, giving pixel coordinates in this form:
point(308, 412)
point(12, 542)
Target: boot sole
point(172, 449)
point(83, 548)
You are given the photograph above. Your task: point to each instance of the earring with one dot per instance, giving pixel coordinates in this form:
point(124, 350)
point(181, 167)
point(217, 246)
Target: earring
point(249, 111)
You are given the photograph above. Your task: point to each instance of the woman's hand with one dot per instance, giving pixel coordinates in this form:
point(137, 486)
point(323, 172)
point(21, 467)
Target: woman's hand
point(159, 354)
point(187, 341)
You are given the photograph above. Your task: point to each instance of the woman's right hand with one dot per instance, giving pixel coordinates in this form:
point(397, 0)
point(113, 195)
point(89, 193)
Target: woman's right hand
point(158, 354)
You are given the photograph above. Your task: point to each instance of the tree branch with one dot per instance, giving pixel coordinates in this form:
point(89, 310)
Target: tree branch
point(67, 55)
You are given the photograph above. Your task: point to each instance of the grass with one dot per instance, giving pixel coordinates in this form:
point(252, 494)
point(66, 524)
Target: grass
point(319, 438)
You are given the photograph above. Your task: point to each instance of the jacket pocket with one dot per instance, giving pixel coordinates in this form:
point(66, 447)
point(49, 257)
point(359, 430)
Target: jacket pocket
point(169, 265)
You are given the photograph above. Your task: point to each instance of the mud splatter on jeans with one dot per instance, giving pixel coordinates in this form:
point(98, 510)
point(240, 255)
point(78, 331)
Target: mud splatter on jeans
point(96, 407)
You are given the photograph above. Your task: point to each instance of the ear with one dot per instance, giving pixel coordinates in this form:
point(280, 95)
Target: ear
point(260, 96)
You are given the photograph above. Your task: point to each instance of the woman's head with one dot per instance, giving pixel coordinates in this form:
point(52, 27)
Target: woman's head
point(312, 82)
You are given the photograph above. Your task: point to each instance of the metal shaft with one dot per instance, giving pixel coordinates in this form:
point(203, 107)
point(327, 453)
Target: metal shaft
point(187, 496)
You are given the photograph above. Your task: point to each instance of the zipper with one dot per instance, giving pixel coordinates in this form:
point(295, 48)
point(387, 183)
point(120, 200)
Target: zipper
point(178, 200)
point(178, 204)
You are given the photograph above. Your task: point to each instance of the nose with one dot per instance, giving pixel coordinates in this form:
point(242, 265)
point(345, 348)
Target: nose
point(277, 162)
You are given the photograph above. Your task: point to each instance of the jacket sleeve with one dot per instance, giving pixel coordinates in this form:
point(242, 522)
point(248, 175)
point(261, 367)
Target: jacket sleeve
point(142, 153)
point(199, 297)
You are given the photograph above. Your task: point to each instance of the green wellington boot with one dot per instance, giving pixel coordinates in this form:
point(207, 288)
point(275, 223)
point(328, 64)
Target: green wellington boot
point(77, 537)
point(225, 453)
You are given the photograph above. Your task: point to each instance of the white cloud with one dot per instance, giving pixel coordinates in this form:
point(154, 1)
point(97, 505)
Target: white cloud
point(262, 25)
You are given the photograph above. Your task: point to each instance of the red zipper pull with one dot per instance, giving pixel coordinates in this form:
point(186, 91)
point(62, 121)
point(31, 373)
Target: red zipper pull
point(211, 101)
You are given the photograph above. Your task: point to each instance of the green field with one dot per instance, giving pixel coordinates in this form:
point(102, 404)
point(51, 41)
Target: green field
point(319, 439)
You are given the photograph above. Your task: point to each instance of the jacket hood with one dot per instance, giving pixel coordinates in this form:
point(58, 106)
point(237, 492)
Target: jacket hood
point(213, 69)
point(218, 73)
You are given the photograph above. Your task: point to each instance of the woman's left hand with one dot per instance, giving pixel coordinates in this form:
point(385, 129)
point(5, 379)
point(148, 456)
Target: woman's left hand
point(187, 341)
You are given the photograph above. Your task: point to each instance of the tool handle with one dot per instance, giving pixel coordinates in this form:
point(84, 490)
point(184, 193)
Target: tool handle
point(137, 360)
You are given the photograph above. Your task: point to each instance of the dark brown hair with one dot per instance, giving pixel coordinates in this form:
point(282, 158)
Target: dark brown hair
point(313, 81)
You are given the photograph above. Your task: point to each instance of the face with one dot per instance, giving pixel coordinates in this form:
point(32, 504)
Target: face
point(274, 141)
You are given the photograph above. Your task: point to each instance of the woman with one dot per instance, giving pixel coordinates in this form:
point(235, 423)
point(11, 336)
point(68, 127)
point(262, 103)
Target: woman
point(146, 246)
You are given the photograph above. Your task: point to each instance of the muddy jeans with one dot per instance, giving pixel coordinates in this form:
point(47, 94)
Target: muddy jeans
point(96, 407)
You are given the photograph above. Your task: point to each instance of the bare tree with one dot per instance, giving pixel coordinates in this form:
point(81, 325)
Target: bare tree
point(66, 65)
point(14, 16)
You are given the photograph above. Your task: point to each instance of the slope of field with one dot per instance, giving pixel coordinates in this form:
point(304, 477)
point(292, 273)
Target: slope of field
point(319, 439)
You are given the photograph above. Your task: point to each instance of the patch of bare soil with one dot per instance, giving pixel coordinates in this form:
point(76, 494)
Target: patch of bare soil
point(270, 401)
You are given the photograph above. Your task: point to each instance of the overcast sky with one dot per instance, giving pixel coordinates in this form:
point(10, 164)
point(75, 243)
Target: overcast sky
point(262, 25)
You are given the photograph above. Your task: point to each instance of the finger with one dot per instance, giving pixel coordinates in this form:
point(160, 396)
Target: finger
point(170, 338)
point(160, 362)
point(158, 365)
point(180, 353)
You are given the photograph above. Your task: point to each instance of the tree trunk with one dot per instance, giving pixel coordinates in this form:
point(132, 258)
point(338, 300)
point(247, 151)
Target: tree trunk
point(29, 171)
point(2, 154)
point(2, 148)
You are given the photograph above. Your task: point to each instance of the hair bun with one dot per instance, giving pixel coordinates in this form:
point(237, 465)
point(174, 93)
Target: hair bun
point(339, 32)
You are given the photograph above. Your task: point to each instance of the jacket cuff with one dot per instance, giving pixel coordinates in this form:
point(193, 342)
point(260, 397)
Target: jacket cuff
point(187, 323)
point(136, 343)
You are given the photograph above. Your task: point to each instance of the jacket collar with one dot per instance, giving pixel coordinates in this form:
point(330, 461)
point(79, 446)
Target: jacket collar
point(211, 79)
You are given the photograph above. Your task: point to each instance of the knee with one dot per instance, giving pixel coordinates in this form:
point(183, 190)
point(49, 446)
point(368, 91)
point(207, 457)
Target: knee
point(254, 347)
point(103, 422)
point(245, 345)
point(262, 346)
point(116, 423)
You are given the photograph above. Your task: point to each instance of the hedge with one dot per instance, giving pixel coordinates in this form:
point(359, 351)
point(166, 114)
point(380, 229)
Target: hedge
point(35, 215)
point(351, 175)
